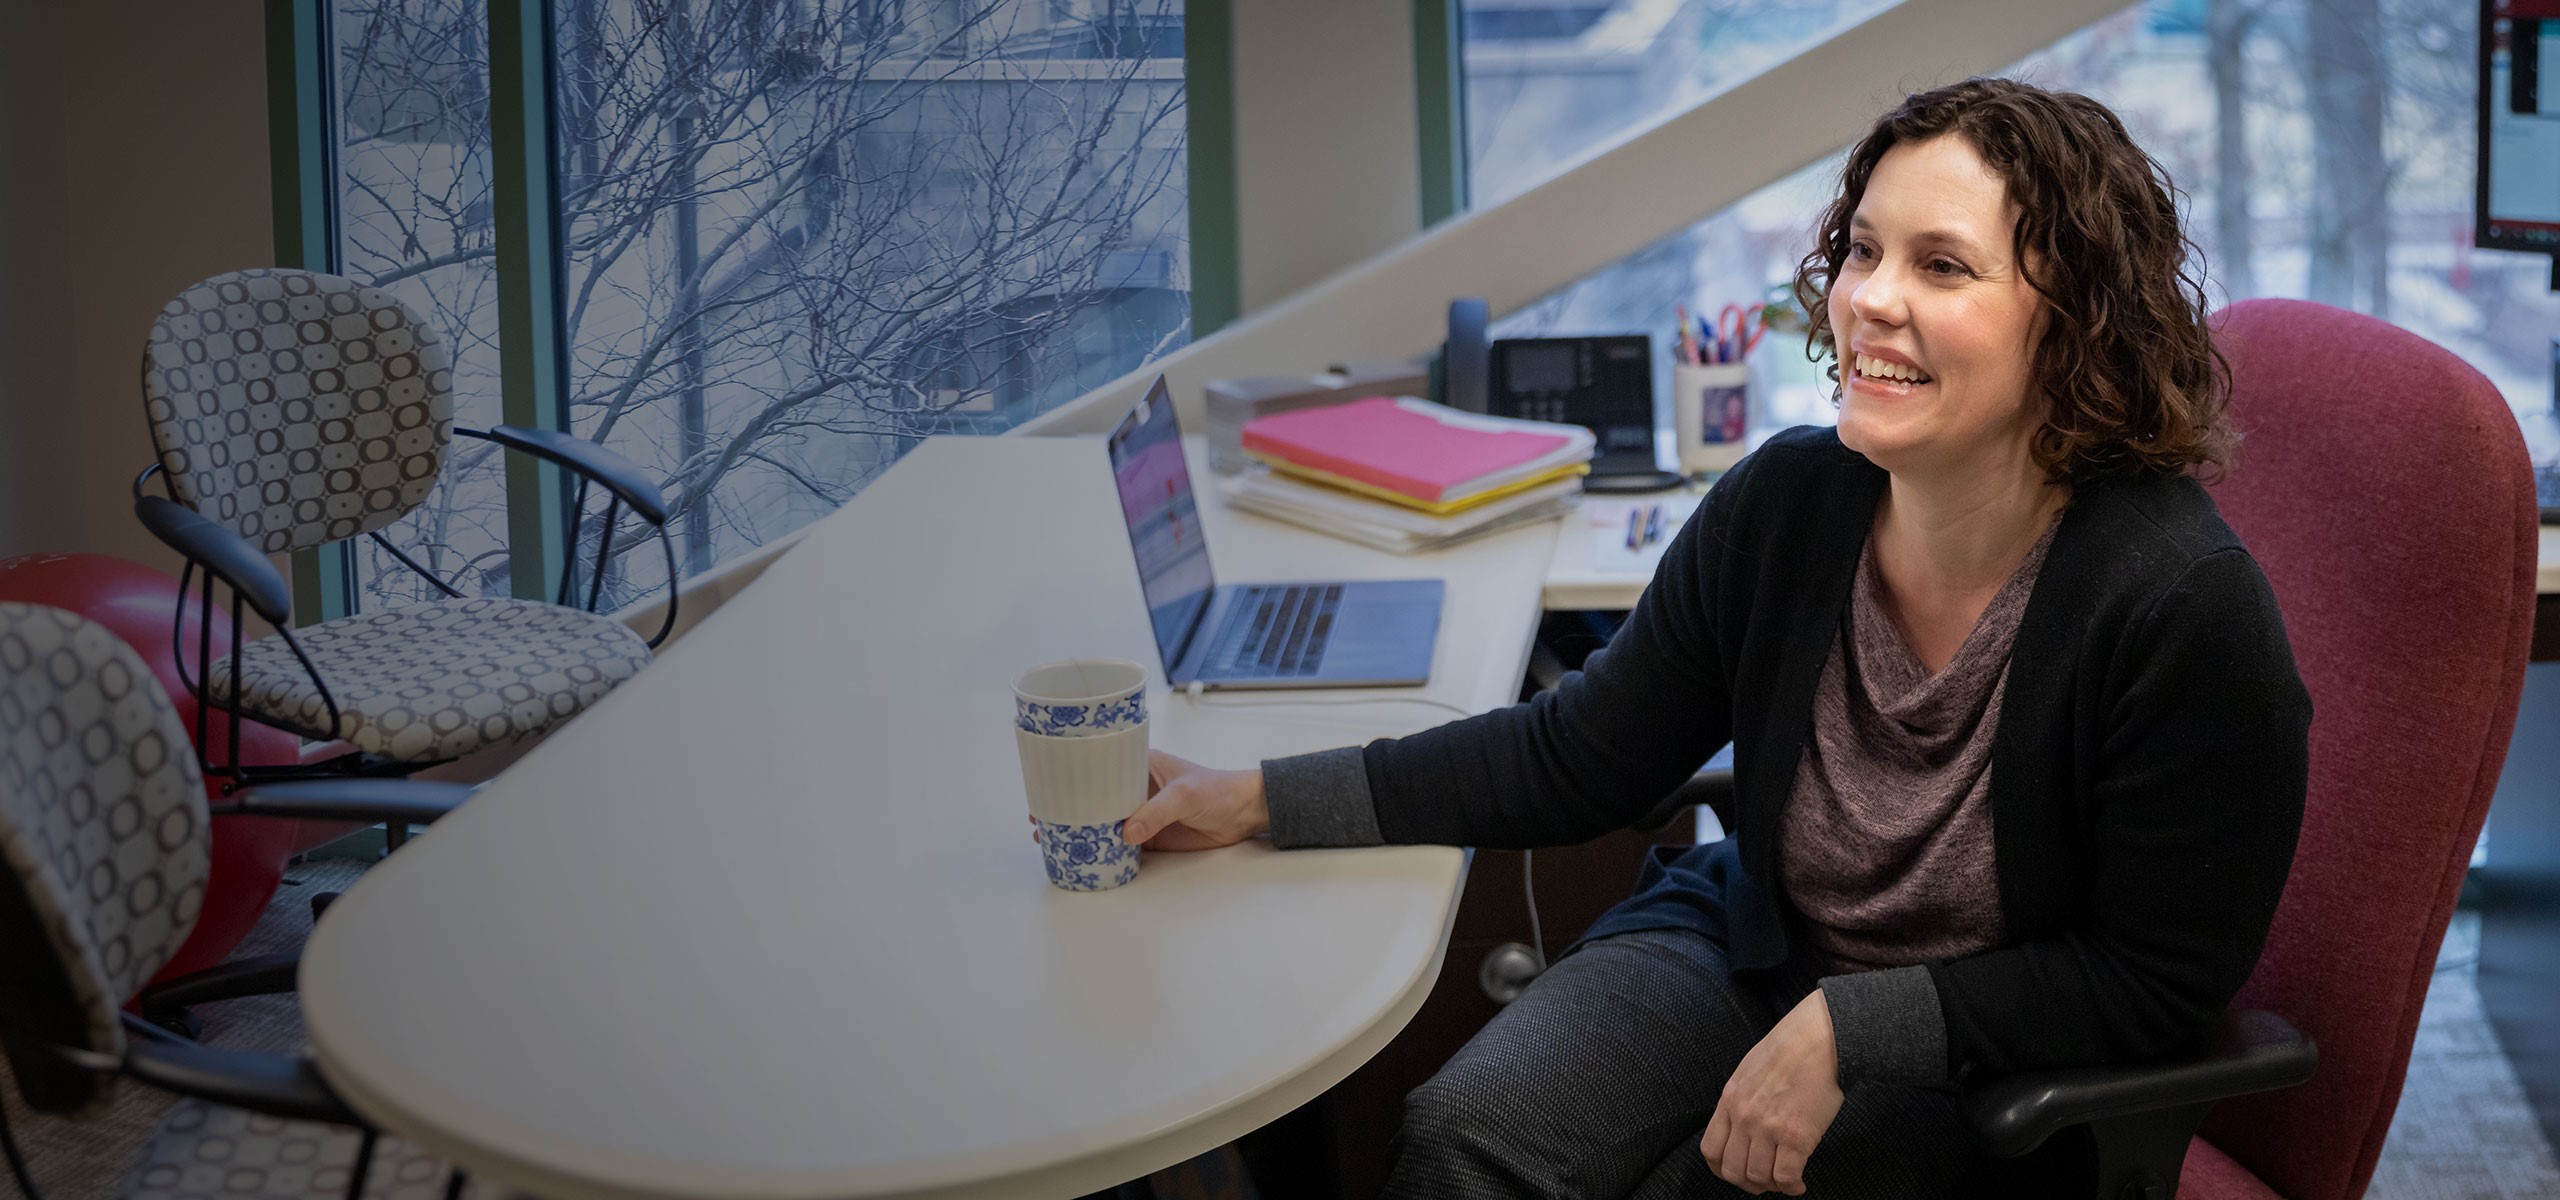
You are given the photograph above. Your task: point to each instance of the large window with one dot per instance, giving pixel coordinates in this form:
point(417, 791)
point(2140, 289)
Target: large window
point(1547, 81)
point(796, 238)
point(804, 237)
point(2325, 148)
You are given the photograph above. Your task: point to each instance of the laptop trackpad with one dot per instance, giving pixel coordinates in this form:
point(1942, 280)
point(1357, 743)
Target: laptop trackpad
point(1382, 630)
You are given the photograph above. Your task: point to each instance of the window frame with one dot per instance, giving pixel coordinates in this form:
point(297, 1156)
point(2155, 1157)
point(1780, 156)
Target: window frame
point(302, 163)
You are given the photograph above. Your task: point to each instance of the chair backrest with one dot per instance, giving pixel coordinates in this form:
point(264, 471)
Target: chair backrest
point(2384, 488)
point(297, 408)
point(102, 830)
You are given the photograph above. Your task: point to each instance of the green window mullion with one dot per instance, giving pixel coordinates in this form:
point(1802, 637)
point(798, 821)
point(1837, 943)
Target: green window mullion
point(1441, 106)
point(302, 161)
point(1209, 133)
point(532, 345)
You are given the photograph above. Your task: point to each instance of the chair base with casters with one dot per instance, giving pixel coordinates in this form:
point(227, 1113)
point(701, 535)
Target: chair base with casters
point(396, 803)
point(168, 1004)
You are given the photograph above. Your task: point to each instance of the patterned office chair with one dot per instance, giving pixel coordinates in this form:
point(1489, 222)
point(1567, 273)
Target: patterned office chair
point(102, 831)
point(289, 410)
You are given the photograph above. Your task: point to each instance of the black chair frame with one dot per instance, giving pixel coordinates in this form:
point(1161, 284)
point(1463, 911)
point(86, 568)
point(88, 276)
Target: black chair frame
point(281, 1085)
point(255, 585)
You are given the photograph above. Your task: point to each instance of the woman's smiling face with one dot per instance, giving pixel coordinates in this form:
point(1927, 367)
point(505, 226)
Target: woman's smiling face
point(1935, 321)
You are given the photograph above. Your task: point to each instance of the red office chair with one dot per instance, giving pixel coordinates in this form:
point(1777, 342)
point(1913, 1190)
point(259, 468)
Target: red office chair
point(2383, 487)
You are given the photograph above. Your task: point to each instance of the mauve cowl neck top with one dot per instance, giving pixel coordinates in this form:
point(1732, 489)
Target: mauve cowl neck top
point(1886, 846)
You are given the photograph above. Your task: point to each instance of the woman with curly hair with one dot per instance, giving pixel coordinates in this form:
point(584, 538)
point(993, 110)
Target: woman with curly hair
point(2019, 748)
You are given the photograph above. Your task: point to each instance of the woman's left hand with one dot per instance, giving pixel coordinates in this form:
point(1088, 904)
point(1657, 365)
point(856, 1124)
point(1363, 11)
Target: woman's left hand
point(1778, 1104)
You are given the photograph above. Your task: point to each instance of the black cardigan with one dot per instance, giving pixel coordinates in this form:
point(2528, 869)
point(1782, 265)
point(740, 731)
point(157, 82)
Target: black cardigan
point(2147, 778)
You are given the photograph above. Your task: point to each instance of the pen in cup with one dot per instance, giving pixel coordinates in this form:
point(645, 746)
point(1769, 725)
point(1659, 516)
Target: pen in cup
point(1653, 525)
point(1635, 529)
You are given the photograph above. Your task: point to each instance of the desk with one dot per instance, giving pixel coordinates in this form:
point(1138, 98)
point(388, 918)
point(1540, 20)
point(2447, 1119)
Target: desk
point(1591, 569)
point(767, 922)
point(1574, 581)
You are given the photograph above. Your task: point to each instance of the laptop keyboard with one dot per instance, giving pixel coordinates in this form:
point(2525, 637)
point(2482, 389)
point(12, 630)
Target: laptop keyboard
point(1275, 631)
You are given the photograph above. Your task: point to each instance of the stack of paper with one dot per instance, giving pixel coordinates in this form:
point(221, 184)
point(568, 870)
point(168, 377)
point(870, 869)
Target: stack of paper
point(1409, 475)
point(1357, 518)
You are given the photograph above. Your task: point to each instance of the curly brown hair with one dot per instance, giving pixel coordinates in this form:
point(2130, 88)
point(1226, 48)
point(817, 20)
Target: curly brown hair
point(2132, 380)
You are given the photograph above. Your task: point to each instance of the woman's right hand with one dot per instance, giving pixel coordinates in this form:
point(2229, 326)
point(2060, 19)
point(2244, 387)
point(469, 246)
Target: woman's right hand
point(1192, 807)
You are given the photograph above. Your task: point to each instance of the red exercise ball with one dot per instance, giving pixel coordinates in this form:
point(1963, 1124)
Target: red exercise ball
point(137, 603)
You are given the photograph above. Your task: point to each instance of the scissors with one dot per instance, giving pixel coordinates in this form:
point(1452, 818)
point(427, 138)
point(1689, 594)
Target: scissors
point(1738, 331)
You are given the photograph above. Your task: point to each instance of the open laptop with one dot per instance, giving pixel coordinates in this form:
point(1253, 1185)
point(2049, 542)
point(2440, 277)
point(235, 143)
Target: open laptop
point(1369, 633)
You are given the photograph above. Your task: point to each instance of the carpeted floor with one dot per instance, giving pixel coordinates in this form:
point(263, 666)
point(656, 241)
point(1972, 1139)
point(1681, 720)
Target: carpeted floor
point(2462, 1132)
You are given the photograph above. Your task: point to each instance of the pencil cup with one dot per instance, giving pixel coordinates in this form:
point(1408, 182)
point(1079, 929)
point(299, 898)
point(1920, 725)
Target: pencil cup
point(1081, 729)
point(1710, 414)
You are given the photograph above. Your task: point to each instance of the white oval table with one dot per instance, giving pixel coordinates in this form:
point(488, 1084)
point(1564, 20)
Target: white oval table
point(767, 922)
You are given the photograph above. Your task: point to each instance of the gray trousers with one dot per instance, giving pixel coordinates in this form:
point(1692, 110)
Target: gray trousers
point(1598, 1082)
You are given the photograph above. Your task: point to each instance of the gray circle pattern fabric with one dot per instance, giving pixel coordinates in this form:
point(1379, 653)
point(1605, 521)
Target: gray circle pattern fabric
point(203, 1152)
point(429, 682)
point(297, 408)
point(102, 812)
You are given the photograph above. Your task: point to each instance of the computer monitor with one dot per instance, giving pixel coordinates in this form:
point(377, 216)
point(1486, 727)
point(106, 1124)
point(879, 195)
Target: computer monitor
point(2518, 197)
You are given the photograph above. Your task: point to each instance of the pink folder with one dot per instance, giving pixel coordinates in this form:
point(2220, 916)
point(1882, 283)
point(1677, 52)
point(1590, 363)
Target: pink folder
point(1387, 445)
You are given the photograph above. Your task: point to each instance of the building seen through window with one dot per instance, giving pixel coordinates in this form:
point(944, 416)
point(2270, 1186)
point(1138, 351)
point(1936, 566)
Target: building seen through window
point(802, 238)
point(799, 237)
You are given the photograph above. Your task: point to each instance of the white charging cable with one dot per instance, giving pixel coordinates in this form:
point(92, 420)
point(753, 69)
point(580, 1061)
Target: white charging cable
point(1195, 689)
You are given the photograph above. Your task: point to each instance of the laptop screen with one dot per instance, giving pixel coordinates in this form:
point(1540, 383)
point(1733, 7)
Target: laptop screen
point(1164, 523)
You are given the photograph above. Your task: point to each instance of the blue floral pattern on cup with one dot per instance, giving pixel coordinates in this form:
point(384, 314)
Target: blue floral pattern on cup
point(1080, 720)
point(1087, 858)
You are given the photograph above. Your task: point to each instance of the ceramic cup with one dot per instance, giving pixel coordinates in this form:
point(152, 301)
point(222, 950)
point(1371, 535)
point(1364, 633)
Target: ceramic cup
point(1080, 697)
point(1081, 729)
point(1710, 414)
point(1080, 789)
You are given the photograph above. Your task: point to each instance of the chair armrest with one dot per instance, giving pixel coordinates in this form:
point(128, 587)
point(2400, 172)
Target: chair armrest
point(2251, 1051)
point(217, 549)
point(414, 801)
point(616, 473)
point(281, 1085)
point(1712, 787)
